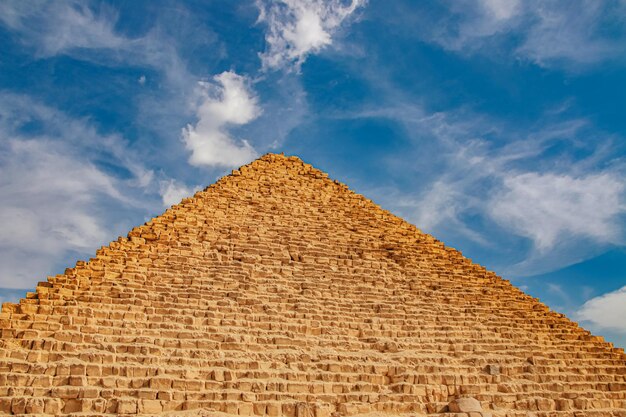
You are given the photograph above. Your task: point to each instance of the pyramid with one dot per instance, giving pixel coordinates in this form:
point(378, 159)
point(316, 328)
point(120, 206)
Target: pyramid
point(279, 292)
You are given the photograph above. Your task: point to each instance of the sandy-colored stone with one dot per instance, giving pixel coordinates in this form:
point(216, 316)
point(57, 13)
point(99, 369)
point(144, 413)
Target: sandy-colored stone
point(280, 292)
point(465, 405)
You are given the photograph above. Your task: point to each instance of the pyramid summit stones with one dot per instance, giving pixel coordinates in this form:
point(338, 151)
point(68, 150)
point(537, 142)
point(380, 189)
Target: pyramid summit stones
point(279, 292)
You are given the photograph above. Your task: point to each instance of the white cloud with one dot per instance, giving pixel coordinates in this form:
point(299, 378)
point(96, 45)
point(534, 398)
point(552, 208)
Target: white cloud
point(58, 26)
point(297, 28)
point(77, 137)
point(440, 203)
point(465, 163)
point(555, 33)
point(225, 103)
point(34, 173)
point(546, 207)
point(56, 201)
point(566, 32)
point(501, 9)
point(606, 311)
point(48, 206)
point(172, 192)
point(87, 31)
point(469, 26)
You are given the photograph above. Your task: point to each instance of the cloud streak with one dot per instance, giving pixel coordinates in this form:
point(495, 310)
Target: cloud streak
point(547, 207)
point(497, 185)
point(56, 196)
point(567, 34)
point(55, 27)
point(560, 209)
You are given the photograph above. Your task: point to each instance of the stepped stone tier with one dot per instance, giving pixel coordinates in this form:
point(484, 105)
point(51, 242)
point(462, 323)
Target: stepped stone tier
point(280, 292)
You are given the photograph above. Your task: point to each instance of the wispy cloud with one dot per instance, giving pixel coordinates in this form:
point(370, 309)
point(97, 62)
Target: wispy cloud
point(549, 207)
point(501, 9)
point(38, 180)
point(570, 32)
point(53, 27)
point(494, 183)
point(87, 32)
point(606, 311)
point(560, 208)
point(56, 197)
point(297, 28)
point(23, 117)
point(227, 101)
point(548, 33)
point(172, 192)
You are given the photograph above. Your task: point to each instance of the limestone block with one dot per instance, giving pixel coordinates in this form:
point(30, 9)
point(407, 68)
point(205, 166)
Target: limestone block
point(99, 405)
point(288, 410)
point(66, 392)
point(305, 410)
point(545, 404)
point(493, 369)
point(260, 408)
point(231, 408)
point(161, 383)
point(52, 406)
point(245, 409)
point(563, 404)
point(73, 406)
point(274, 409)
point(18, 406)
point(127, 406)
point(323, 410)
point(150, 407)
point(5, 405)
point(464, 405)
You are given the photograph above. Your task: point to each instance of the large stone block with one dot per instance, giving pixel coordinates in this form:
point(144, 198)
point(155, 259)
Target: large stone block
point(150, 407)
point(465, 405)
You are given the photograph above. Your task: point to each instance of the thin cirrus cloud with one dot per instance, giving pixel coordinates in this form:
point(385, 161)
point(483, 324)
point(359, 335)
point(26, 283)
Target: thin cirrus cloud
point(297, 28)
point(46, 216)
point(565, 212)
point(54, 27)
point(556, 33)
point(501, 9)
point(546, 206)
point(71, 28)
point(55, 199)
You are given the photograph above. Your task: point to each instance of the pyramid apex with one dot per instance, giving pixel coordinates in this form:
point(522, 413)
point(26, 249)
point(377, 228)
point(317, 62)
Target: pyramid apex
point(272, 157)
point(266, 161)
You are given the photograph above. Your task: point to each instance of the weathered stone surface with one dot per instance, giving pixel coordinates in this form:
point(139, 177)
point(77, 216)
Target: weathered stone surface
point(465, 405)
point(493, 369)
point(279, 292)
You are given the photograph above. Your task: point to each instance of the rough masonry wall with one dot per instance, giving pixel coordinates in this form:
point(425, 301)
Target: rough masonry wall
point(279, 292)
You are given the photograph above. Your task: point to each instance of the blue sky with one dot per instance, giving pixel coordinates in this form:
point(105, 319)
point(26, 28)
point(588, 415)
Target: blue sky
point(498, 126)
